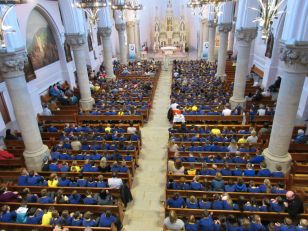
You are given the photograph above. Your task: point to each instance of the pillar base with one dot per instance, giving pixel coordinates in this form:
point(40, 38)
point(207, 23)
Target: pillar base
point(234, 102)
point(271, 161)
point(87, 104)
point(34, 160)
point(221, 77)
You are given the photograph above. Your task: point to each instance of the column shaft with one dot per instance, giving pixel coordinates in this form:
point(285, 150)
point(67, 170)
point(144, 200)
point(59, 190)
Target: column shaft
point(222, 52)
point(77, 43)
point(11, 67)
point(137, 38)
point(212, 36)
point(123, 48)
point(295, 69)
point(244, 37)
point(231, 38)
point(105, 32)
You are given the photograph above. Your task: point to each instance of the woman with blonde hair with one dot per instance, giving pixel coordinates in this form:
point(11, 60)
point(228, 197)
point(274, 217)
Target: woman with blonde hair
point(75, 167)
point(192, 203)
point(218, 183)
point(173, 223)
point(266, 187)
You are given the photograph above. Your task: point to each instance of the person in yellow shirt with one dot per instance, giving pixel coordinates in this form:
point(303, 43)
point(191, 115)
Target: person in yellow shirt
point(215, 131)
point(47, 216)
point(194, 108)
point(53, 180)
point(192, 170)
point(75, 167)
point(242, 140)
point(121, 112)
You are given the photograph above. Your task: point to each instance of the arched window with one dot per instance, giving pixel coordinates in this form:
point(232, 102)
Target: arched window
point(40, 41)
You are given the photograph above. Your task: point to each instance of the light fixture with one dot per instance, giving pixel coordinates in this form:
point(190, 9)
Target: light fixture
point(120, 5)
point(91, 7)
point(134, 5)
point(268, 12)
point(197, 3)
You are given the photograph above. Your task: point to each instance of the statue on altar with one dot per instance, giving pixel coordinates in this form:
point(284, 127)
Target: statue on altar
point(170, 31)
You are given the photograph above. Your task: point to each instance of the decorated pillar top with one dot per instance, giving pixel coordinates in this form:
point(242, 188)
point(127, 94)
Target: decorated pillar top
point(211, 12)
point(119, 17)
point(73, 19)
point(247, 14)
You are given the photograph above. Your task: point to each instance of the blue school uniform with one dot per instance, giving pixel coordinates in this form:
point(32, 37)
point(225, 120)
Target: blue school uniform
point(253, 190)
point(226, 172)
point(205, 204)
point(256, 227)
point(105, 221)
point(101, 184)
point(8, 217)
point(257, 159)
point(74, 199)
point(22, 180)
point(264, 173)
point(191, 205)
point(89, 201)
point(77, 222)
point(217, 205)
point(206, 224)
point(229, 188)
point(275, 207)
point(45, 200)
point(191, 227)
point(92, 184)
point(278, 174)
point(88, 223)
point(237, 172)
point(176, 203)
point(249, 172)
point(240, 188)
point(82, 182)
point(195, 186)
point(36, 219)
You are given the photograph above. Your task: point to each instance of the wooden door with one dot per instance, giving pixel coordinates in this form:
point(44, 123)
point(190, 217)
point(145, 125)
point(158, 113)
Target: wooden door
point(3, 109)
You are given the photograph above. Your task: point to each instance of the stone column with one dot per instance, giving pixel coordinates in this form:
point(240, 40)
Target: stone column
point(137, 38)
point(123, 48)
point(130, 25)
point(212, 35)
point(11, 67)
point(105, 32)
point(295, 68)
point(244, 38)
point(231, 38)
point(77, 42)
point(222, 52)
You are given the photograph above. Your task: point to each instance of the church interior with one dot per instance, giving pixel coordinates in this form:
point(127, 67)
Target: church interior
point(173, 115)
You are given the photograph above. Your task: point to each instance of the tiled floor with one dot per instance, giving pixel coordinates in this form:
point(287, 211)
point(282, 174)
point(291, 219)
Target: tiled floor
point(146, 212)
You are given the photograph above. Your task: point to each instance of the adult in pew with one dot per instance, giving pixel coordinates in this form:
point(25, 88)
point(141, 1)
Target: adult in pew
point(300, 137)
point(10, 136)
point(8, 196)
point(176, 167)
point(293, 204)
point(173, 223)
point(75, 144)
point(104, 198)
point(114, 181)
point(46, 111)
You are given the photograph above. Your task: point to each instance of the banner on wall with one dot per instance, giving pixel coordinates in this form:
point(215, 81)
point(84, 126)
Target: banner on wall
point(205, 50)
point(131, 51)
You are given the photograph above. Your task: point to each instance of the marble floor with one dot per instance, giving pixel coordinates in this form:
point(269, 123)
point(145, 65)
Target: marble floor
point(146, 212)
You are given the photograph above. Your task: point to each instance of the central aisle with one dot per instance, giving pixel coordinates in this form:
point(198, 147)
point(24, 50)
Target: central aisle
point(146, 212)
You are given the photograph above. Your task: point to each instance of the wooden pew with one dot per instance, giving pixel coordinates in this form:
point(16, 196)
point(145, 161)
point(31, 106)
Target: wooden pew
point(57, 119)
point(13, 175)
point(266, 216)
point(22, 227)
point(96, 209)
point(83, 118)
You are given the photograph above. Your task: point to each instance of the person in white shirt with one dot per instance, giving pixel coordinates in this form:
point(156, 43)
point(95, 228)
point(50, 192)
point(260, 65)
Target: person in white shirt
point(114, 181)
point(131, 129)
point(227, 111)
point(261, 111)
point(174, 105)
point(253, 138)
point(46, 111)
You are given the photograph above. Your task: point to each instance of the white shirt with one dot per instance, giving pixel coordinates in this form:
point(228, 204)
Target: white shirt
point(173, 106)
point(178, 225)
point(115, 182)
point(261, 112)
point(131, 130)
point(46, 112)
point(252, 139)
point(226, 112)
point(179, 118)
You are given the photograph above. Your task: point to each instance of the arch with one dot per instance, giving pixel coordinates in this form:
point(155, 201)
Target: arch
point(52, 34)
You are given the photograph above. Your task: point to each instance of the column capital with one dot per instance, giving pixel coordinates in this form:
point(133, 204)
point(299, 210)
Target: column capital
point(204, 20)
point(212, 24)
point(246, 34)
point(120, 27)
point(294, 55)
point(225, 27)
point(104, 31)
point(130, 24)
point(76, 39)
point(12, 61)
